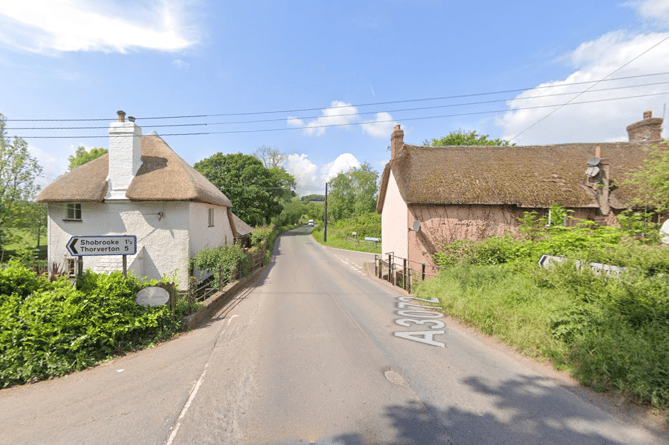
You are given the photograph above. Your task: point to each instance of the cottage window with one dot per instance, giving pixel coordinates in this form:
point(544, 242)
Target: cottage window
point(555, 219)
point(73, 212)
point(211, 217)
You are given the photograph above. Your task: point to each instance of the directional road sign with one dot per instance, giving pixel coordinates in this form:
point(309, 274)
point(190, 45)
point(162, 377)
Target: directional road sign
point(102, 245)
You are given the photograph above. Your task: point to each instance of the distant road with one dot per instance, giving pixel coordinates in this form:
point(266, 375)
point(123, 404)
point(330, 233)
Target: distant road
point(315, 352)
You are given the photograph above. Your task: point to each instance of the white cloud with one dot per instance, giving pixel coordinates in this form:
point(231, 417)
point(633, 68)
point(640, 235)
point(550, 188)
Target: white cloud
point(380, 127)
point(295, 122)
point(337, 114)
point(180, 63)
point(45, 26)
point(344, 115)
point(654, 11)
point(305, 173)
point(342, 164)
point(595, 121)
point(311, 179)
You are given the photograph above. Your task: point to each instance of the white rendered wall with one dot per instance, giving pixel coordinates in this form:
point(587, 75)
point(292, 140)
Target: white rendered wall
point(162, 242)
point(201, 235)
point(394, 222)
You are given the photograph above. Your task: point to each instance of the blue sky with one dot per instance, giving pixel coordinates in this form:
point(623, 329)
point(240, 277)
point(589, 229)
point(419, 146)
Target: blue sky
point(300, 67)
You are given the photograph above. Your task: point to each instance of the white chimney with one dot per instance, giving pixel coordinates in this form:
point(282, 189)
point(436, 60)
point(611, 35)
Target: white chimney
point(125, 147)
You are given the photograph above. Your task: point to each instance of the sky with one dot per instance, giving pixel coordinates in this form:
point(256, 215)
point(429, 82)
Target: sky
point(325, 82)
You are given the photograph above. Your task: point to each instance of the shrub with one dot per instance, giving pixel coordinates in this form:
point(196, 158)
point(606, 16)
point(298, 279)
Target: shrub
point(55, 328)
point(612, 332)
point(261, 234)
point(229, 259)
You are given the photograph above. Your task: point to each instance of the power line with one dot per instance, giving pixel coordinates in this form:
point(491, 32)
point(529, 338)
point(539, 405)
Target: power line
point(596, 83)
point(353, 114)
point(357, 123)
point(458, 96)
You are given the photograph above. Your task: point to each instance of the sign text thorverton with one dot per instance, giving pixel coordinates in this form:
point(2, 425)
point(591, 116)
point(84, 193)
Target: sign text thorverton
point(102, 245)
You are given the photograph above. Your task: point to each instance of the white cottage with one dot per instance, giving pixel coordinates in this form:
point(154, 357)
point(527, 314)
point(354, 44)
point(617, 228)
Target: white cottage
point(141, 188)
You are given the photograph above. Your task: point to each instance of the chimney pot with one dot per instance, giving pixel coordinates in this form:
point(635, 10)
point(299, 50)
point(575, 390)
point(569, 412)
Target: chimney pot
point(121, 115)
point(647, 115)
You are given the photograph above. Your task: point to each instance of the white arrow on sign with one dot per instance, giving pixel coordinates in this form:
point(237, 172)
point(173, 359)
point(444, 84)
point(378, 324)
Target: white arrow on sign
point(102, 245)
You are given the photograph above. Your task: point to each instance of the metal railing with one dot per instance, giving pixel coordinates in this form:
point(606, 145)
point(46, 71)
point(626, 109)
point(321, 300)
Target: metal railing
point(201, 289)
point(402, 275)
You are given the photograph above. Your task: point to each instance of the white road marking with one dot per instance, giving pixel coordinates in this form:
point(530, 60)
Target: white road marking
point(193, 393)
point(423, 315)
point(350, 264)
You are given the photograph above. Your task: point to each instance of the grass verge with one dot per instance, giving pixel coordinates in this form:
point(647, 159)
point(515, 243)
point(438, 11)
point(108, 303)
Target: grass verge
point(611, 333)
point(336, 240)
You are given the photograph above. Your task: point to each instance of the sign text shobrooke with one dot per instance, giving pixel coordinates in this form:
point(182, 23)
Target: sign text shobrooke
point(102, 245)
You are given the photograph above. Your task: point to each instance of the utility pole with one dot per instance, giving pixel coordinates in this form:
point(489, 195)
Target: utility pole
point(325, 215)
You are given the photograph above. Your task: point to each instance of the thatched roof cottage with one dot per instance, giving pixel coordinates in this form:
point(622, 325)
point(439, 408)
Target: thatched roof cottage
point(142, 188)
point(462, 192)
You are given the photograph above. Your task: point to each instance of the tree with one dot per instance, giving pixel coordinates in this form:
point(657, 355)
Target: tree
point(18, 172)
point(291, 213)
point(313, 197)
point(33, 217)
point(81, 156)
point(269, 156)
point(462, 137)
point(651, 180)
point(287, 181)
point(255, 191)
point(353, 193)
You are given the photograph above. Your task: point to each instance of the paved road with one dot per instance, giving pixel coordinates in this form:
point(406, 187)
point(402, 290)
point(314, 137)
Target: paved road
point(315, 352)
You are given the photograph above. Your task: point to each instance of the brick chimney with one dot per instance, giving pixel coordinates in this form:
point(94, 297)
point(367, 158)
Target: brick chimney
point(647, 130)
point(600, 182)
point(125, 145)
point(396, 141)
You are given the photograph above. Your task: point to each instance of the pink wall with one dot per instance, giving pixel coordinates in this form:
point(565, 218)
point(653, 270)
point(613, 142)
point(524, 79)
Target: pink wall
point(442, 224)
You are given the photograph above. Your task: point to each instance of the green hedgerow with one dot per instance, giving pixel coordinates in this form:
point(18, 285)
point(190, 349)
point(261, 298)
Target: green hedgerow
point(56, 328)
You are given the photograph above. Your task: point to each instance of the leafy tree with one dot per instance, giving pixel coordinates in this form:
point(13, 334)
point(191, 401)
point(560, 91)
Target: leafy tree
point(291, 213)
point(32, 216)
point(255, 191)
point(81, 156)
point(269, 156)
point(18, 171)
point(287, 181)
point(316, 211)
point(651, 180)
point(307, 198)
point(353, 193)
point(462, 137)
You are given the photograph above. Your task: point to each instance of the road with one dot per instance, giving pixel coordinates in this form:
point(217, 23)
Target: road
point(314, 352)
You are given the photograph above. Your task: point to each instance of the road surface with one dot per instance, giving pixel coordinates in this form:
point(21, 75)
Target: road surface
point(314, 352)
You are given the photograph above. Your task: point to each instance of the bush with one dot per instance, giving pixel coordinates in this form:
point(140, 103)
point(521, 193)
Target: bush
point(612, 332)
point(52, 328)
point(261, 234)
point(229, 259)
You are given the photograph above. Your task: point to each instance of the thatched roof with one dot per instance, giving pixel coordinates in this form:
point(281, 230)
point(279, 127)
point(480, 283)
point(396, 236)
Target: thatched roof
point(239, 227)
point(530, 176)
point(163, 176)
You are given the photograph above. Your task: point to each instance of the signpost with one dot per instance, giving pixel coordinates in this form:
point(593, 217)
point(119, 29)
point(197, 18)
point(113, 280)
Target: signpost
point(103, 245)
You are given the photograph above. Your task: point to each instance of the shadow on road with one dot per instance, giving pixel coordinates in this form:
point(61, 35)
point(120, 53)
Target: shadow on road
point(535, 413)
